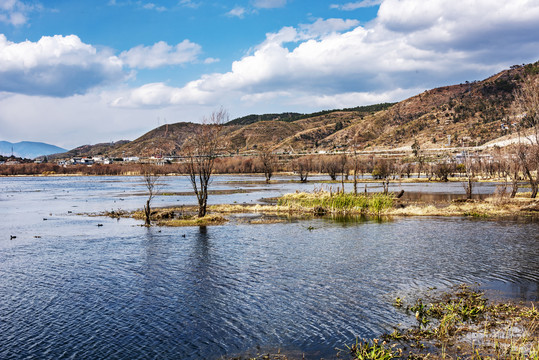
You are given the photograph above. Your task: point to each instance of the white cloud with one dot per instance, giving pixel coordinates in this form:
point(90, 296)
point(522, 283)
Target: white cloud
point(356, 5)
point(14, 12)
point(323, 27)
point(161, 54)
point(238, 11)
point(161, 95)
point(411, 45)
point(190, 4)
point(55, 66)
point(82, 119)
point(211, 60)
point(152, 6)
point(269, 4)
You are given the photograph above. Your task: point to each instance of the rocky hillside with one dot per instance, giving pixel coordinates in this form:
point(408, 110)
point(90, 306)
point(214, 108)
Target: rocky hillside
point(466, 114)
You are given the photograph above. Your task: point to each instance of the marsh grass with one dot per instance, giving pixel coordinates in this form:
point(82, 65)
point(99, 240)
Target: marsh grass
point(333, 203)
point(209, 219)
point(462, 324)
point(366, 350)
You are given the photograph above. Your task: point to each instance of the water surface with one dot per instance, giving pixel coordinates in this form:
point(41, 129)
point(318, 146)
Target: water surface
point(72, 289)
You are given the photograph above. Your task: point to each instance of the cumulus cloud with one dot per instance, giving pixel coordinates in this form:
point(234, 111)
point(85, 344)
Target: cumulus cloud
point(159, 95)
point(323, 27)
point(356, 5)
point(269, 4)
point(412, 45)
point(161, 54)
point(55, 66)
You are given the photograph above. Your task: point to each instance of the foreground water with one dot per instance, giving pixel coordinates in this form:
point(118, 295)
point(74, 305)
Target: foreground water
point(72, 289)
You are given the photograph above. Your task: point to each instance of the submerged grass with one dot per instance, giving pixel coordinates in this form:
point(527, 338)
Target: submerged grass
point(463, 324)
point(322, 202)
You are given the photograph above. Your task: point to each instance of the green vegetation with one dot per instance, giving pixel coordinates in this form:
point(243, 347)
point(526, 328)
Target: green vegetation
point(251, 119)
point(373, 351)
point(290, 116)
point(459, 324)
point(322, 202)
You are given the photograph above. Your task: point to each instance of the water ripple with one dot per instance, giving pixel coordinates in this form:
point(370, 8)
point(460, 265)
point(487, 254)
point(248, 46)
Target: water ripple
point(132, 292)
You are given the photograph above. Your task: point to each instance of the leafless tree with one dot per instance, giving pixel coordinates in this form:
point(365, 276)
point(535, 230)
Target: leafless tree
point(149, 177)
point(302, 166)
point(268, 162)
point(343, 161)
point(526, 108)
point(514, 169)
point(201, 150)
point(470, 178)
point(330, 166)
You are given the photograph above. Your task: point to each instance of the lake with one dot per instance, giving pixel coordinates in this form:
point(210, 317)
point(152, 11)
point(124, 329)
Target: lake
point(72, 289)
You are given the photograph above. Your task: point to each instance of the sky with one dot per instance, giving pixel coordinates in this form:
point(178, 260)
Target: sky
point(85, 72)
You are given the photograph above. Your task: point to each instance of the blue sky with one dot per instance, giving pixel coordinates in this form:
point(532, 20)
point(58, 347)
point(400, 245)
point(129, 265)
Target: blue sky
point(83, 72)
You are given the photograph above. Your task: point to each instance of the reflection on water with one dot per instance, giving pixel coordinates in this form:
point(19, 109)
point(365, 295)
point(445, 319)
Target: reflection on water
point(126, 291)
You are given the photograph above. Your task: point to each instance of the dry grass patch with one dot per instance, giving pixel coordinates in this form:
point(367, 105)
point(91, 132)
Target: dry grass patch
point(490, 207)
point(210, 219)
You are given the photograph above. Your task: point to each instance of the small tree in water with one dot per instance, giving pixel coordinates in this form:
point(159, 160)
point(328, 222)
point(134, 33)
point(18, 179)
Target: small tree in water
point(268, 162)
point(201, 150)
point(150, 181)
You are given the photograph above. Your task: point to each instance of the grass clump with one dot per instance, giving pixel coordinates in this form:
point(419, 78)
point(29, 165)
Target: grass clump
point(462, 324)
point(322, 202)
point(374, 350)
point(209, 219)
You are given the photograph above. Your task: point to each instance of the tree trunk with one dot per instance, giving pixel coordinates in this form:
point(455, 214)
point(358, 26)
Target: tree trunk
point(202, 201)
point(355, 182)
point(147, 213)
point(514, 183)
point(533, 183)
point(469, 188)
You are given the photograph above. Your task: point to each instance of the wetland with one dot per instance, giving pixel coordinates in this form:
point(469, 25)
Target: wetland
point(73, 285)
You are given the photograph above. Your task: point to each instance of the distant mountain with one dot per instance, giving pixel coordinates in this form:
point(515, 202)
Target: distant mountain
point(90, 150)
point(28, 149)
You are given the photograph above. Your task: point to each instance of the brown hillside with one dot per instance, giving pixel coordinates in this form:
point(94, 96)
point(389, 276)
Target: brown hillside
point(467, 114)
point(261, 134)
point(164, 140)
point(471, 113)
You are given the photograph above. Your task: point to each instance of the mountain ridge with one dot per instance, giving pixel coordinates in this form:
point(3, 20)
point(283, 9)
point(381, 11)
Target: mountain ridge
point(470, 113)
point(29, 149)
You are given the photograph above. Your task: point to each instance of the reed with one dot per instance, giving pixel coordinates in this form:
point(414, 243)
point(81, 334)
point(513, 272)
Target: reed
point(338, 202)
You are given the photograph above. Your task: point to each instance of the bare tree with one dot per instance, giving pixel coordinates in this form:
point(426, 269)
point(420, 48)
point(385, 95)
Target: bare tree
point(470, 178)
point(526, 108)
point(201, 150)
point(330, 166)
point(302, 166)
point(150, 178)
point(514, 168)
point(268, 162)
point(343, 160)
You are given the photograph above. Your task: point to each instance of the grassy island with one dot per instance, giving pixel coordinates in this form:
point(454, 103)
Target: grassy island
point(327, 203)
